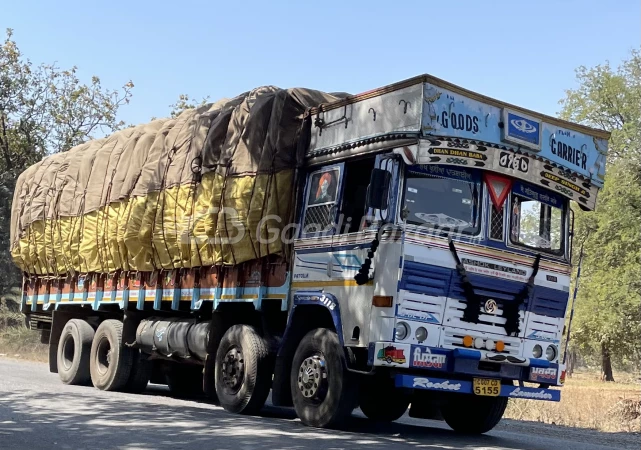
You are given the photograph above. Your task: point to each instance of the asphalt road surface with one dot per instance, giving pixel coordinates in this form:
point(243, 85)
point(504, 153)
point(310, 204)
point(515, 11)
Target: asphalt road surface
point(37, 411)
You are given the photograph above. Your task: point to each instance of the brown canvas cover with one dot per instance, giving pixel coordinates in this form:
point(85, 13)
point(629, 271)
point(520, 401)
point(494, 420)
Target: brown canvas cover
point(172, 193)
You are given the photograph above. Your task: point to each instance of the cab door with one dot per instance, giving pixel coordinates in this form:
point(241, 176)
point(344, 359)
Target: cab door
point(318, 224)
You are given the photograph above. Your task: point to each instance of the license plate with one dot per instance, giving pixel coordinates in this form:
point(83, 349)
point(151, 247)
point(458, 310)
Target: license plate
point(486, 387)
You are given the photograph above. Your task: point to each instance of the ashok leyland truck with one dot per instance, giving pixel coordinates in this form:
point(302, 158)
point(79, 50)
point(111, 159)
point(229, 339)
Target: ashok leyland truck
point(410, 245)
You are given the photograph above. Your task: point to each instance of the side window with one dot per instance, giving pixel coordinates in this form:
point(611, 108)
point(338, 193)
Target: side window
point(335, 197)
point(496, 222)
point(353, 210)
point(537, 218)
point(323, 193)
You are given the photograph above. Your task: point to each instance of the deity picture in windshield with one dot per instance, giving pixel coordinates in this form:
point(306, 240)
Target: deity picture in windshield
point(323, 187)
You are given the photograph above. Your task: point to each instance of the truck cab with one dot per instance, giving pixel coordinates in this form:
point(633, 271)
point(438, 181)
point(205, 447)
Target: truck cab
point(455, 252)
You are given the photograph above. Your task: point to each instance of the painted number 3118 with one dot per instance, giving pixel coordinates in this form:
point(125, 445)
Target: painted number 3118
point(512, 161)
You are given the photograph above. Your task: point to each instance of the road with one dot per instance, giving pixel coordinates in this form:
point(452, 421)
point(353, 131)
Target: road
point(37, 411)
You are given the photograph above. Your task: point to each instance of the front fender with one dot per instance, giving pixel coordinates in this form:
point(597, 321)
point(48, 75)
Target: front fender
point(329, 301)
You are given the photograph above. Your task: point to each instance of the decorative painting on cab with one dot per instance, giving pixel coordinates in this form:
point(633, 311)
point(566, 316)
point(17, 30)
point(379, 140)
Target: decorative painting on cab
point(323, 187)
point(449, 114)
point(391, 355)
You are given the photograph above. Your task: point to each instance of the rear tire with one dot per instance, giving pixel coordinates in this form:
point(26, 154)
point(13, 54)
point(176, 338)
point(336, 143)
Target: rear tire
point(140, 373)
point(111, 361)
point(74, 352)
point(244, 368)
point(323, 391)
point(471, 414)
point(380, 400)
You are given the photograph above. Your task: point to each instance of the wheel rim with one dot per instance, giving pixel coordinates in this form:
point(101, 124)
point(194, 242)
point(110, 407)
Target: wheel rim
point(68, 351)
point(104, 356)
point(312, 378)
point(233, 369)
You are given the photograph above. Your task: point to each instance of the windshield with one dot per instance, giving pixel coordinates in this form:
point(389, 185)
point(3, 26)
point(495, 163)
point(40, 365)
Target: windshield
point(443, 198)
point(535, 221)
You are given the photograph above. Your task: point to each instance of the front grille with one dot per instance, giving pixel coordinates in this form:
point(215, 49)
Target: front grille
point(543, 328)
point(420, 307)
point(549, 302)
point(488, 323)
point(426, 279)
point(452, 339)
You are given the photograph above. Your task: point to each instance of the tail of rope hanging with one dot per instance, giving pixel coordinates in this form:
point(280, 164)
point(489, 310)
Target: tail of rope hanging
point(576, 290)
point(472, 308)
point(511, 309)
point(362, 276)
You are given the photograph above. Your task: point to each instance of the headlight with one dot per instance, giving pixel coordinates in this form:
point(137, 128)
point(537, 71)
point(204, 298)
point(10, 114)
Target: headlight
point(421, 334)
point(550, 352)
point(537, 351)
point(401, 331)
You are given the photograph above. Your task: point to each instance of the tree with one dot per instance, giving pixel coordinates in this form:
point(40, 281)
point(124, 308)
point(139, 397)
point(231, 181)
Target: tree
point(185, 102)
point(44, 109)
point(608, 312)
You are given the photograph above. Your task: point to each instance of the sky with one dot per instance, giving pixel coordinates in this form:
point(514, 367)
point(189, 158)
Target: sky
point(524, 53)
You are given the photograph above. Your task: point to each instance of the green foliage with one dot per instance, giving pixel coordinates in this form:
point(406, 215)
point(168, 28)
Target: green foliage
point(10, 315)
point(44, 109)
point(610, 100)
point(608, 311)
point(185, 102)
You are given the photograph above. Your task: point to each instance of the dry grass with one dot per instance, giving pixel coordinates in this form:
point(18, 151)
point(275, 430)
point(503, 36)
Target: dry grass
point(16, 341)
point(586, 402)
point(19, 342)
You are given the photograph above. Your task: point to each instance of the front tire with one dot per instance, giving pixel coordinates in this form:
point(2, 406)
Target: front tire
point(74, 352)
point(471, 414)
point(323, 391)
point(380, 400)
point(243, 373)
point(111, 361)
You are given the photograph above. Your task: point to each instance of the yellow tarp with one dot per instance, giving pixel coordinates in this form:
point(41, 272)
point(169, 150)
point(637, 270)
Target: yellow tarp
point(184, 192)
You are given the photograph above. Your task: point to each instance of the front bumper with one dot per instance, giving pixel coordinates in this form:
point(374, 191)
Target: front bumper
point(465, 387)
point(467, 362)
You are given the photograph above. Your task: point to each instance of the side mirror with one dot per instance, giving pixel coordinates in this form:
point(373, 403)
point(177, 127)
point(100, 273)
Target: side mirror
point(378, 190)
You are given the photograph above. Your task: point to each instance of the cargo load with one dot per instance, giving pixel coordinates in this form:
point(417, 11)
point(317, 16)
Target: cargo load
point(172, 193)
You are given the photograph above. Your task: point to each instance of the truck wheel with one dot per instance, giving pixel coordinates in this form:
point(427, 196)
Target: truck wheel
point(244, 369)
point(380, 400)
point(185, 380)
point(111, 361)
point(323, 391)
point(471, 414)
point(140, 373)
point(74, 350)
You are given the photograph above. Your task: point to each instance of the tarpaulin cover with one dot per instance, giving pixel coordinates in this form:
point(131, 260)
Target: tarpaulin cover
point(173, 193)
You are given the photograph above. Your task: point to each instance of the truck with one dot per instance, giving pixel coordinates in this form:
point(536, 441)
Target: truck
point(409, 247)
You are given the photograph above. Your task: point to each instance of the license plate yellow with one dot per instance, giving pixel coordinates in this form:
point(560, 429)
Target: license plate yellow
point(486, 387)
